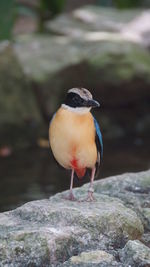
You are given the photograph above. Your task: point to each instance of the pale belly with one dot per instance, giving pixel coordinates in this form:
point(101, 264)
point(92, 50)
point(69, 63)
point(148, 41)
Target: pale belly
point(72, 140)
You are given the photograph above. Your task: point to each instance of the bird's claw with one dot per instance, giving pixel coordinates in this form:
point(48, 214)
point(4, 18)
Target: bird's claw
point(70, 197)
point(90, 197)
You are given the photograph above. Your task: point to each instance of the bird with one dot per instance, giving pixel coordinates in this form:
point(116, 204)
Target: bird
point(75, 137)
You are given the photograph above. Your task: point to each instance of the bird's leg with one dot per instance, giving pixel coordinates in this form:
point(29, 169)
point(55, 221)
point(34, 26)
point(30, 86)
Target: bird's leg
point(91, 189)
point(71, 195)
point(71, 185)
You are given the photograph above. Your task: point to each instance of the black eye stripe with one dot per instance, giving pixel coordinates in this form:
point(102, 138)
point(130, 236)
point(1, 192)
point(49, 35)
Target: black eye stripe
point(74, 100)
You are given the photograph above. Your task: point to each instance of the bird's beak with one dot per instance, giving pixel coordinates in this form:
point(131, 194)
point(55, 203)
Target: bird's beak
point(93, 103)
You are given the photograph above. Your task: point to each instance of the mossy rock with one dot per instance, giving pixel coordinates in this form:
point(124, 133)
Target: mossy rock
point(109, 68)
point(59, 232)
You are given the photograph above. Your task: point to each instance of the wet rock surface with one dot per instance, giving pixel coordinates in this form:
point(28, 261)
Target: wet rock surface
point(57, 232)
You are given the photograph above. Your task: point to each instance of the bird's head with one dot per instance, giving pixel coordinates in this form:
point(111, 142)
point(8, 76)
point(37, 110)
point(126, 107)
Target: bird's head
point(79, 100)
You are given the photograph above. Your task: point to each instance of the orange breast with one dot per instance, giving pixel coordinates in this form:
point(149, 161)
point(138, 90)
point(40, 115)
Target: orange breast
point(72, 139)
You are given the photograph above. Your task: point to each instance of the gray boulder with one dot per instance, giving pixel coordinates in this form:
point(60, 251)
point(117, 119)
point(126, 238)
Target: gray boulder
point(132, 189)
point(111, 69)
point(135, 254)
point(92, 258)
point(58, 232)
point(92, 18)
point(97, 23)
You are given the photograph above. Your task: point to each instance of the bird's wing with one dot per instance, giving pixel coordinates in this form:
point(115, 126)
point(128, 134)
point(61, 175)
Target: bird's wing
point(99, 143)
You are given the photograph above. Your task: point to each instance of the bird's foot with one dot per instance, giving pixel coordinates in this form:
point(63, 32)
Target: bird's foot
point(70, 197)
point(90, 197)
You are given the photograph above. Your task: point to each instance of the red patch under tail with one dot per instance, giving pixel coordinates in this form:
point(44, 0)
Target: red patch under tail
point(79, 171)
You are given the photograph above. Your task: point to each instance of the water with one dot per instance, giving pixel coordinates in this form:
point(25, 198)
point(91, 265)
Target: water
point(33, 173)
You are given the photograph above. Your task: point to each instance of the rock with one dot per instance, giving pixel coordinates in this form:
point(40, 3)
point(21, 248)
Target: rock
point(57, 232)
point(146, 216)
point(19, 113)
point(58, 63)
point(50, 52)
point(146, 239)
point(96, 256)
point(133, 189)
point(91, 22)
point(91, 19)
point(92, 258)
point(135, 254)
point(41, 57)
point(139, 29)
point(49, 232)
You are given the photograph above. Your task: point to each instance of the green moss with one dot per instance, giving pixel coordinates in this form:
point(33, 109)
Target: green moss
point(145, 182)
point(121, 60)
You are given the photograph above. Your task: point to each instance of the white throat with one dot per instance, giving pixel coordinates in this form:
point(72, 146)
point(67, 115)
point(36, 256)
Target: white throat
point(79, 110)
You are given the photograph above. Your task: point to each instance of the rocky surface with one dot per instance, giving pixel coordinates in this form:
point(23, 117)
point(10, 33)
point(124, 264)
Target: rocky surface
point(135, 254)
point(92, 258)
point(106, 232)
point(97, 23)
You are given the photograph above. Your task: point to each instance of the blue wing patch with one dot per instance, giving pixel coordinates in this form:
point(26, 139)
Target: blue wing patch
point(99, 142)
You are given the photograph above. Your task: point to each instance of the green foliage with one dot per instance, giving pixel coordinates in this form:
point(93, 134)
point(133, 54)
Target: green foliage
point(105, 3)
point(126, 3)
point(53, 6)
point(7, 16)
point(48, 9)
point(123, 3)
point(23, 10)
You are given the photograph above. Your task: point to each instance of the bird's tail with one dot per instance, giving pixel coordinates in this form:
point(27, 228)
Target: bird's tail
point(80, 172)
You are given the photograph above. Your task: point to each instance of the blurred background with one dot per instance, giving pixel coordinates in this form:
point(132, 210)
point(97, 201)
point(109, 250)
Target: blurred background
point(49, 46)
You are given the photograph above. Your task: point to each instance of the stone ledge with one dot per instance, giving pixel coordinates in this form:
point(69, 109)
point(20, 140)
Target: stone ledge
point(49, 232)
